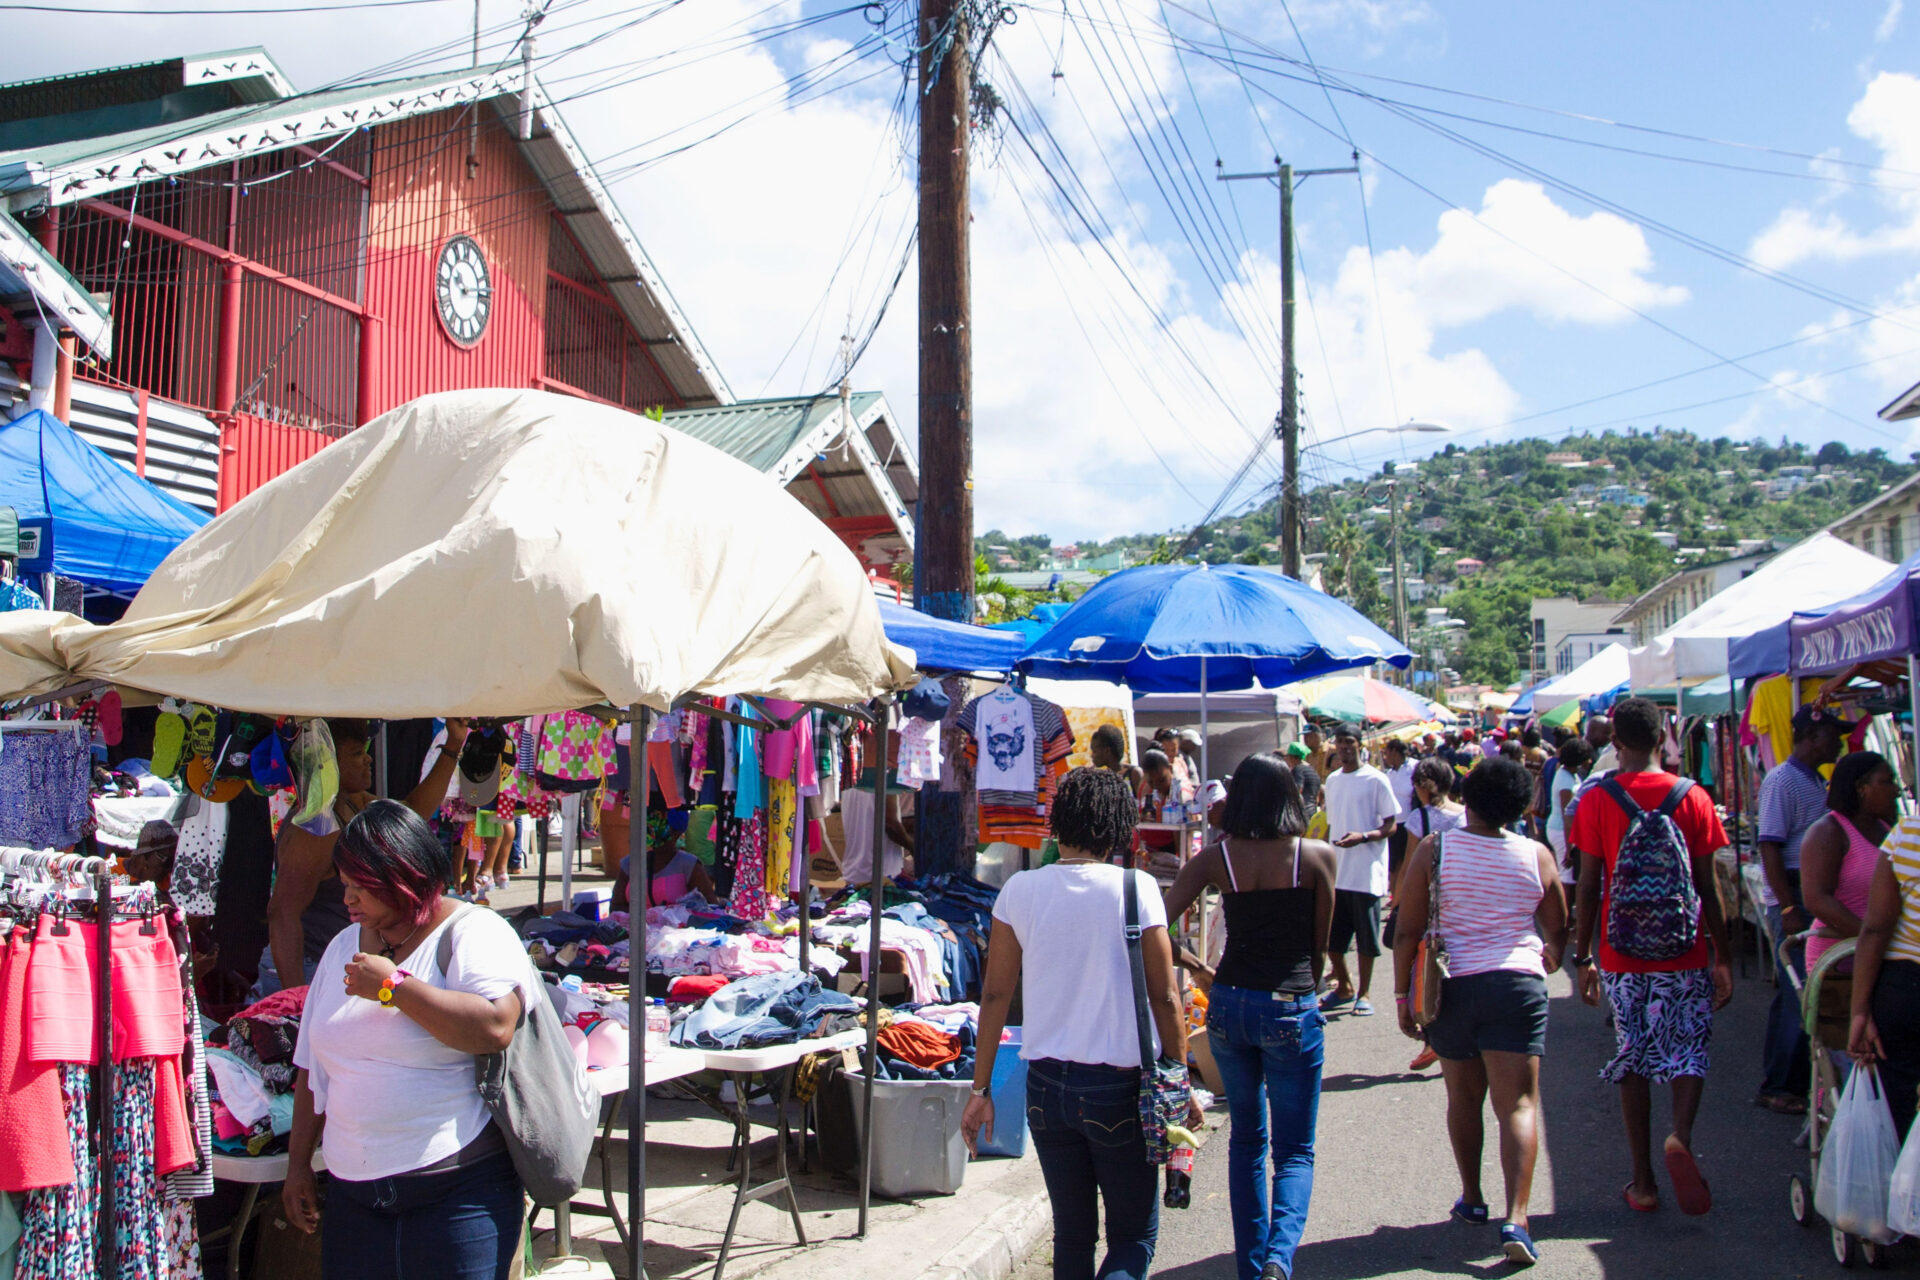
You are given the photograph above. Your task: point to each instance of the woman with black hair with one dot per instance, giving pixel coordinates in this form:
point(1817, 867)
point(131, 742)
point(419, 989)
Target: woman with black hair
point(1060, 933)
point(1264, 1023)
point(420, 1182)
point(1498, 908)
point(1840, 851)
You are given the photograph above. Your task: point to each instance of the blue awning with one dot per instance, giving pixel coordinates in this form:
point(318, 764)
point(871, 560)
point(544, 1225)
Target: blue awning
point(939, 645)
point(97, 521)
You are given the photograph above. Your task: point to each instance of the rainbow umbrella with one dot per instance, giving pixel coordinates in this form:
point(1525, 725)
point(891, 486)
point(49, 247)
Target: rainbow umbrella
point(1564, 716)
point(1362, 698)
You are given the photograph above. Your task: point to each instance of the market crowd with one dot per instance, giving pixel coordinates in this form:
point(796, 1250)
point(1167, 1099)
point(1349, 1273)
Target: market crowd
point(1477, 862)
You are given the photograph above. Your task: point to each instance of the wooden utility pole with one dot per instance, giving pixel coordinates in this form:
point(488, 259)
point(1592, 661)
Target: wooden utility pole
point(1289, 425)
point(943, 543)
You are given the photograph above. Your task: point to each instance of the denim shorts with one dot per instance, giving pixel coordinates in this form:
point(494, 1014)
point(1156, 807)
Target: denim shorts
point(1503, 1012)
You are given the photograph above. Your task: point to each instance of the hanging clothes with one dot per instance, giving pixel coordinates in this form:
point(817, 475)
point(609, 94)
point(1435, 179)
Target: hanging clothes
point(1026, 742)
point(60, 1226)
point(33, 1149)
point(45, 780)
point(782, 811)
point(202, 850)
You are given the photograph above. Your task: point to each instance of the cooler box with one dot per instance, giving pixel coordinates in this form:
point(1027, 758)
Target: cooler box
point(917, 1147)
point(1009, 1100)
point(593, 903)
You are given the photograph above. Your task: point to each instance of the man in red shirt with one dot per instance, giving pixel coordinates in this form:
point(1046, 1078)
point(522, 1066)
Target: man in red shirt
point(1662, 1010)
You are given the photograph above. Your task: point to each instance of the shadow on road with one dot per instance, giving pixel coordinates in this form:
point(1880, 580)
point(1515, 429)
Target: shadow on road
point(1348, 1081)
point(1440, 1248)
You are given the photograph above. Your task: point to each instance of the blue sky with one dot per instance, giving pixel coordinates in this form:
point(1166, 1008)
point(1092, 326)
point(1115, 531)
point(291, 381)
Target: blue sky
point(1124, 375)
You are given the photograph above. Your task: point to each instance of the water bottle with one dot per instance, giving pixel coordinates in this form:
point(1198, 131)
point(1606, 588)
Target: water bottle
point(657, 1024)
point(1179, 1179)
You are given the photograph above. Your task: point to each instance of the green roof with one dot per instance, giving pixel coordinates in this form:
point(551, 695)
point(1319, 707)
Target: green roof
point(166, 146)
point(762, 433)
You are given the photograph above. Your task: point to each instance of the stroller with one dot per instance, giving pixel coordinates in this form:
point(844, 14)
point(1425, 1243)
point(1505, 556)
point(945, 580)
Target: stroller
point(1826, 1010)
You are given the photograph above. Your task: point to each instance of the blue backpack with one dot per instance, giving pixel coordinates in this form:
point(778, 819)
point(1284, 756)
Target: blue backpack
point(1653, 908)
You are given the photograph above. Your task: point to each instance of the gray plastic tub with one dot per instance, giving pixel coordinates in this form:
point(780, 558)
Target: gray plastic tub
point(917, 1147)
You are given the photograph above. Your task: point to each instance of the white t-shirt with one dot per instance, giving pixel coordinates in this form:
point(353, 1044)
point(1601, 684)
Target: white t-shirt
point(1360, 801)
point(1401, 780)
point(395, 1098)
point(1076, 985)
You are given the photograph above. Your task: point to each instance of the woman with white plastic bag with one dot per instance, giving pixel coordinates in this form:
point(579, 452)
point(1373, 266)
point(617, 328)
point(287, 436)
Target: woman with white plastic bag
point(1857, 1160)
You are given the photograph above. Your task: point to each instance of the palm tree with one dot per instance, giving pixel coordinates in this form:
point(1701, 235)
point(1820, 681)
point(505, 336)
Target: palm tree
point(1343, 544)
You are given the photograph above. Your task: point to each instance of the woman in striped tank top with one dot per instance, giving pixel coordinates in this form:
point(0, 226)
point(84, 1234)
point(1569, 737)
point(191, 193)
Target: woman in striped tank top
point(1497, 904)
point(1886, 973)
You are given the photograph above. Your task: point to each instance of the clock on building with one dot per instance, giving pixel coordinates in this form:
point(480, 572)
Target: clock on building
point(462, 290)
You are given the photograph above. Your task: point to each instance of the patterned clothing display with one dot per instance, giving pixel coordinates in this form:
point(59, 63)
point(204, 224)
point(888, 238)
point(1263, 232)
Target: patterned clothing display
point(197, 1180)
point(196, 863)
point(59, 1226)
point(576, 751)
point(44, 780)
point(781, 806)
point(138, 1211)
point(1663, 1023)
point(1017, 817)
point(16, 596)
point(182, 1259)
point(750, 901)
point(517, 786)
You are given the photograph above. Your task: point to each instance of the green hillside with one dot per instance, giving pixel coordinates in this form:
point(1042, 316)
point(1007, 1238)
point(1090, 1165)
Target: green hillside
point(1546, 518)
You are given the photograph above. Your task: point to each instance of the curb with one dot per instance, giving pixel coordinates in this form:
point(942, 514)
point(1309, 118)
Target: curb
point(1001, 1243)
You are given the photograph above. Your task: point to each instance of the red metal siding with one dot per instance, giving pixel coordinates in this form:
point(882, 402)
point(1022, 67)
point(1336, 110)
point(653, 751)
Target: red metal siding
point(254, 451)
point(422, 196)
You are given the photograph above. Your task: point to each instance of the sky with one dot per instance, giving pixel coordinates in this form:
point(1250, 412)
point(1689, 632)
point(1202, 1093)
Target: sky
point(1700, 216)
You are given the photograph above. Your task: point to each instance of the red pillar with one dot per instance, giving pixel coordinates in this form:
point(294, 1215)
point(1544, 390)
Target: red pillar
point(226, 378)
point(367, 402)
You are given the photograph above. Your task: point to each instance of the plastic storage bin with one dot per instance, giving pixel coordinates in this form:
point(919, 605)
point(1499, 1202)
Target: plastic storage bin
point(917, 1147)
point(1009, 1100)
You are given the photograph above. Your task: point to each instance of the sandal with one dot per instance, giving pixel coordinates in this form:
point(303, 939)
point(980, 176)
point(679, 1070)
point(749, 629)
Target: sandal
point(1689, 1188)
point(1786, 1104)
point(1626, 1193)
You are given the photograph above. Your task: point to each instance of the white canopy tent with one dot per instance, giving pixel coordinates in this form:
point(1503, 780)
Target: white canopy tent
point(498, 553)
point(1604, 672)
point(1822, 570)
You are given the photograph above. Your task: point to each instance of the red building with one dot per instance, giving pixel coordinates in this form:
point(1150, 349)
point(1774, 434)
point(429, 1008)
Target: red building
point(212, 275)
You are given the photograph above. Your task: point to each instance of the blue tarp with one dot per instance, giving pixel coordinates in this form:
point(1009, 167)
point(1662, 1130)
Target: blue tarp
point(1149, 627)
point(109, 528)
point(939, 645)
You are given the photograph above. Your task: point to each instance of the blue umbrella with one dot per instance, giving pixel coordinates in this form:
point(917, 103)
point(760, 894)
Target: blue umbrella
point(1180, 628)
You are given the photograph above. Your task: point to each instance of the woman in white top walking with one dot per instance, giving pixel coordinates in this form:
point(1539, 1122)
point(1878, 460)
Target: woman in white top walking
point(1500, 914)
point(1066, 924)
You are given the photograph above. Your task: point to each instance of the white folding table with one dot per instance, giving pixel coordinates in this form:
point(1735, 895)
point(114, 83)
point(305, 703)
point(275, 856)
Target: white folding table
point(254, 1172)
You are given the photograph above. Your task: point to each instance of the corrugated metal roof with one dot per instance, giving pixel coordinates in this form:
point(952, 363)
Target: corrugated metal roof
point(847, 468)
point(764, 434)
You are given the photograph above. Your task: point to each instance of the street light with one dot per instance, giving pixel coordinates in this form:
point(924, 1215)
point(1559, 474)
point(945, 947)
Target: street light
point(1290, 487)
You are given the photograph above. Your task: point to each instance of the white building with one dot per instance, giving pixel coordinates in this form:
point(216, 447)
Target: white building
point(1674, 597)
point(1554, 619)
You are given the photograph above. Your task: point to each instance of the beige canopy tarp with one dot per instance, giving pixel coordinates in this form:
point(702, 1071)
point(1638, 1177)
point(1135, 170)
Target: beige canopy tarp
point(489, 553)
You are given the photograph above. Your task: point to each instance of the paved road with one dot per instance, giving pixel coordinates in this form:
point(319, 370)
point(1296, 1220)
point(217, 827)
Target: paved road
point(1386, 1176)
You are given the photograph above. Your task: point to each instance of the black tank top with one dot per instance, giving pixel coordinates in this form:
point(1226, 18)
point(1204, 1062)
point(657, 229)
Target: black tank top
point(1269, 935)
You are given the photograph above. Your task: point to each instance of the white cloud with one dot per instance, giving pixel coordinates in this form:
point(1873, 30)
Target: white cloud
point(1887, 116)
point(1889, 22)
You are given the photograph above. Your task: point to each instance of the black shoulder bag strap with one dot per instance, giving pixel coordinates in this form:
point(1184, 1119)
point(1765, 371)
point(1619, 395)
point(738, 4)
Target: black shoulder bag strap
point(1137, 963)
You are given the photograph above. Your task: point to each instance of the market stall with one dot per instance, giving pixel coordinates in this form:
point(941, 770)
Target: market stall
point(617, 565)
point(82, 515)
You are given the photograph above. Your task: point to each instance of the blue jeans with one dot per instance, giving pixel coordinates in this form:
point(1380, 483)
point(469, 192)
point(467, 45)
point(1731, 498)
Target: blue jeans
point(1269, 1051)
point(1784, 1052)
point(460, 1225)
point(1085, 1122)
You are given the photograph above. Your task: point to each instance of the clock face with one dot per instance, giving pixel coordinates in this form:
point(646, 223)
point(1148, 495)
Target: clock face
point(463, 291)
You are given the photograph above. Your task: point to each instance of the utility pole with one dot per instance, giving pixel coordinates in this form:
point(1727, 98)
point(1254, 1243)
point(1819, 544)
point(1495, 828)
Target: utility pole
point(1399, 571)
point(943, 544)
point(1285, 176)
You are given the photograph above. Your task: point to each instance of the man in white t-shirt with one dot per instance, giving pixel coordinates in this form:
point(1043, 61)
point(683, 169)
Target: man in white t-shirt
point(1361, 816)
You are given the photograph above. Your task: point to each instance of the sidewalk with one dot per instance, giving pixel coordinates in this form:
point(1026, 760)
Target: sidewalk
point(980, 1233)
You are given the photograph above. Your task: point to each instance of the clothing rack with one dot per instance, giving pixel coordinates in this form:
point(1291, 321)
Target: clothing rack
point(75, 864)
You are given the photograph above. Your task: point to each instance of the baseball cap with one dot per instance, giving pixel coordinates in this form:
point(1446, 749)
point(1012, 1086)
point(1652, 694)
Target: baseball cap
point(1213, 793)
point(928, 701)
point(1297, 750)
point(1807, 717)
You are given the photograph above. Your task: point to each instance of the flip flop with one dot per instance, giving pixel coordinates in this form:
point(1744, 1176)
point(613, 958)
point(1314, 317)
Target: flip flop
point(1626, 1193)
point(1689, 1188)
